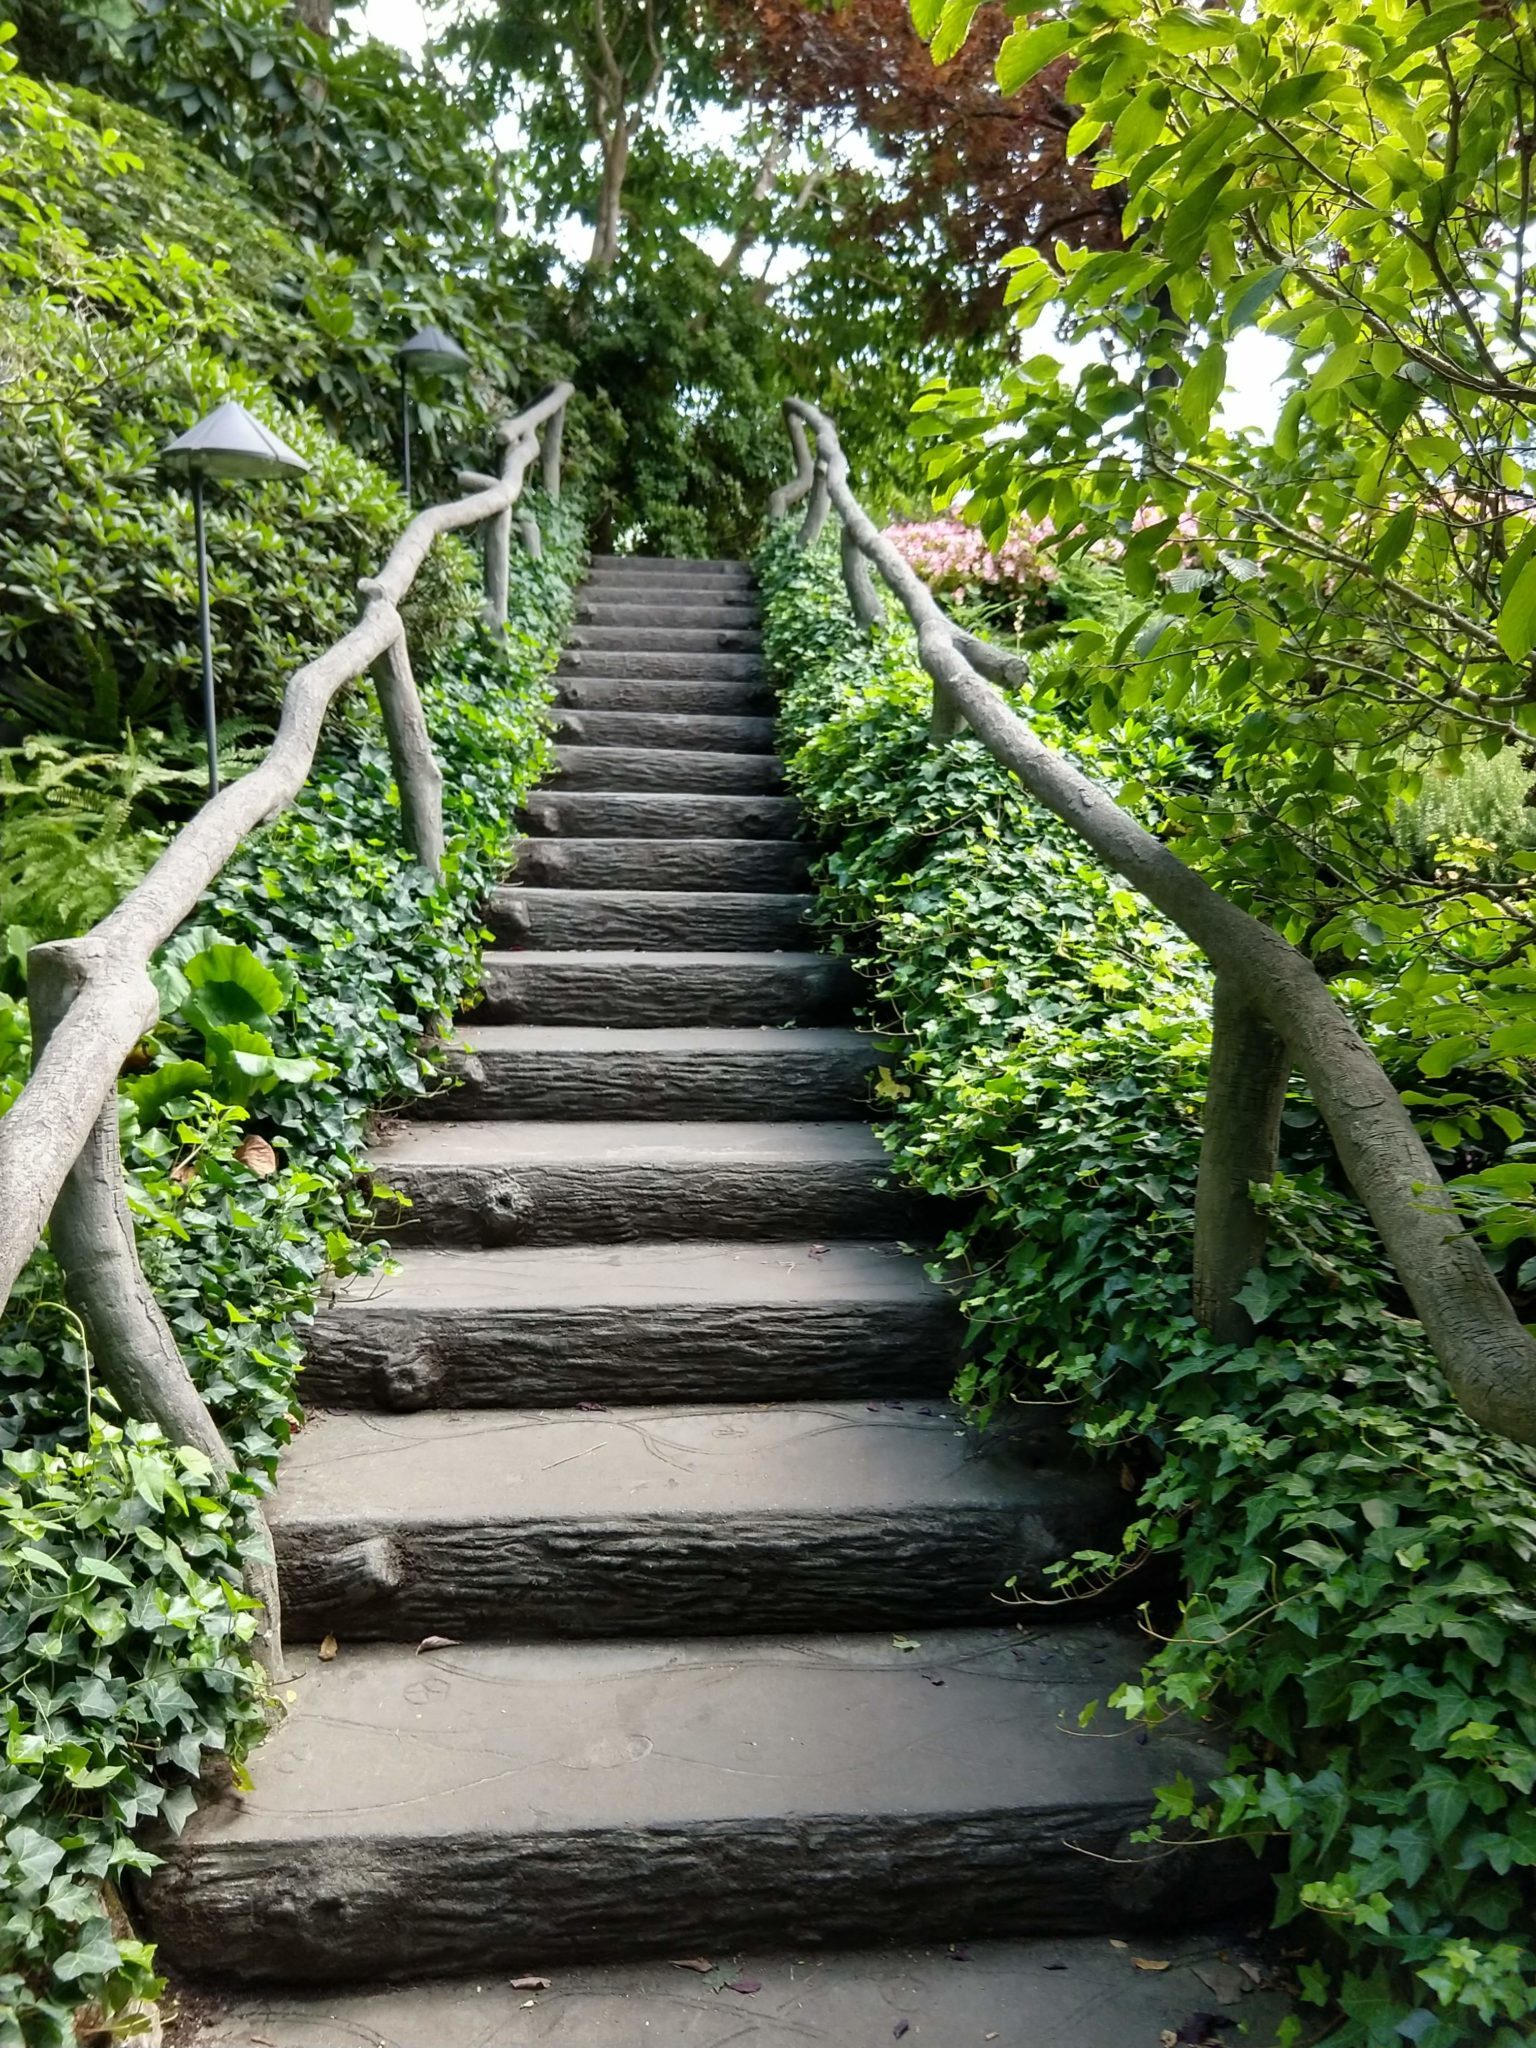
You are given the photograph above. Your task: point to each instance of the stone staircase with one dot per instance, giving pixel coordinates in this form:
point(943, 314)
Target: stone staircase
point(651, 1427)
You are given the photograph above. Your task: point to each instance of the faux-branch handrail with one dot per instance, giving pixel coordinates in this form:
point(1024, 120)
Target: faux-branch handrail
point(75, 1070)
point(1272, 1010)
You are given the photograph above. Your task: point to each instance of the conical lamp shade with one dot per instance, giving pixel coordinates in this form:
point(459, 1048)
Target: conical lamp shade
point(229, 441)
point(429, 348)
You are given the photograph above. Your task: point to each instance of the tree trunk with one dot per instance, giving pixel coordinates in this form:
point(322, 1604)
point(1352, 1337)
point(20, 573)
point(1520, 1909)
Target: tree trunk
point(610, 217)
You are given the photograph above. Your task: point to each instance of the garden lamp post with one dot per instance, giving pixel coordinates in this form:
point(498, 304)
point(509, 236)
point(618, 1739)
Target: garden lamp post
point(431, 350)
point(226, 442)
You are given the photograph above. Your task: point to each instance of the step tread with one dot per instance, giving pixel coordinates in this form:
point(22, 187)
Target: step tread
point(644, 1275)
point(533, 1738)
point(592, 1146)
point(767, 1039)
point(446, 1466)
point(1077, 1993)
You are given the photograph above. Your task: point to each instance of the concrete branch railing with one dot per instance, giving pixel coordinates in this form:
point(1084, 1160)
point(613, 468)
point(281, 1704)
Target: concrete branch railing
point(1272, 1011)
point(91, 999)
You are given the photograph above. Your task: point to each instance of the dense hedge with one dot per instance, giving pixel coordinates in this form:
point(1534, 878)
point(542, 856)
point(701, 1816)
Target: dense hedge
point(124, 1656)
point(1356, 1555)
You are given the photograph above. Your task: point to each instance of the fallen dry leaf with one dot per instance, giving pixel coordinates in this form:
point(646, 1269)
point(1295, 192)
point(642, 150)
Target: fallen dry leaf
point(1118, 1944)
point(745, 1985)
point(818, 1251)
point(440, 1643)
point(905, 1643)
point(901, 2027)
point(184, 1172)
point(700, 1963)
point(1147, 1963)
point(530, 1983)
point(327, 1649)
point(258, 1155)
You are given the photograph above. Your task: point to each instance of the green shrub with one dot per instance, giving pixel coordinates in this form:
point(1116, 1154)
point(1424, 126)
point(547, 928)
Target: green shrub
point(124, 1648)
point(1356, 1555)
point(112, 342)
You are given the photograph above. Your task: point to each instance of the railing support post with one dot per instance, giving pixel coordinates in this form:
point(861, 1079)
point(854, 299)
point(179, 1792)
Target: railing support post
point(945, 721)
point(1245, 1093)
point(533, 541)
point(859, 580)
point(816, 512)
point(554, 434)
point(788, 494)
point(418, 778)
point(91, 1232)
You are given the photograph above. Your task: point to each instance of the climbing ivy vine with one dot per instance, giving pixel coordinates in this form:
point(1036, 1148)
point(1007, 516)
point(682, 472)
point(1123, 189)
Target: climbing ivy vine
point(125, 1662)
point(1356, 1556)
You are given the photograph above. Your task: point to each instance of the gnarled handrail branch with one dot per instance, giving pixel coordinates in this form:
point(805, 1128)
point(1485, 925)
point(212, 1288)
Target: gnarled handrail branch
point(1488, 1358)
point(75, 1067)
point(91, 999)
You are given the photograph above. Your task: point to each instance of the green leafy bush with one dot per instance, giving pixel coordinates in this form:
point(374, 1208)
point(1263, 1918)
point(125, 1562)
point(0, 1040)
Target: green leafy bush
point(112, 341)
point(328, 943)
point(1356, 1555)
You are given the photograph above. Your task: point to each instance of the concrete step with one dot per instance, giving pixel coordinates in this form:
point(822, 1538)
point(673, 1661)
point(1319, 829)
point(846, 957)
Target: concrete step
point(496, 1522)
point(664, 864)
point(674, 638)
point(541, 1183)
point(657, 814)
point(632, 1323)
point(687, 1073)
point(659, 731)
point(500, 1808)
point(660, 665)
point(1051, 1993)
point(710, 569)
point(673, 920)
point(731, 698)
point(650, 989)
point(686, 610)
point(644, 767)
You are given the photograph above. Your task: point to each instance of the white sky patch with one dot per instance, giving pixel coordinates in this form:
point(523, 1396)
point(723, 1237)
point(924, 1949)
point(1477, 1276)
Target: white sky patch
point(401, 23)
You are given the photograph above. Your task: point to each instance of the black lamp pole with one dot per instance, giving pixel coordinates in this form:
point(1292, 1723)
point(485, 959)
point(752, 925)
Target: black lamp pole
point(205, 633)
point(227, 442)
point(429, 348)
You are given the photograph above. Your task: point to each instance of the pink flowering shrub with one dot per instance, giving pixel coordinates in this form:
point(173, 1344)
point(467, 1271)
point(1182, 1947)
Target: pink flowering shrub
point(954, 561)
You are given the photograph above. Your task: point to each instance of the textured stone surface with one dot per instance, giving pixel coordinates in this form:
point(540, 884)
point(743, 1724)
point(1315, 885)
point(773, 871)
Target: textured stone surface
point(497, 1808)
point(663, 863)
point(697, 735)
point(667, 814)
point(603, 766)
point(610, 1183)
point(731, 698)
point(644, 1521)
point(626, 1323)
point(676, 920)
point(642, 609)
point(678, 637)
point(652, 988)
point(614, 661)
point(579, 1071)
point(1071, 1993)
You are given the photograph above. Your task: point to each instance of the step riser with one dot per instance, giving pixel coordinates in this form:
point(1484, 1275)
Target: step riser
point(689, 700)
point(479, 1903)
point(657, 1086)
point(613, 814)
point(663, 731)
point(599, 766)
point(718, 613)
point(560, 920)
point(660, 1574)
point(674, 668)
point(647, 1202)
point(670, 639)
point(547, 988)
point(682, 864)
point(370, 1356)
